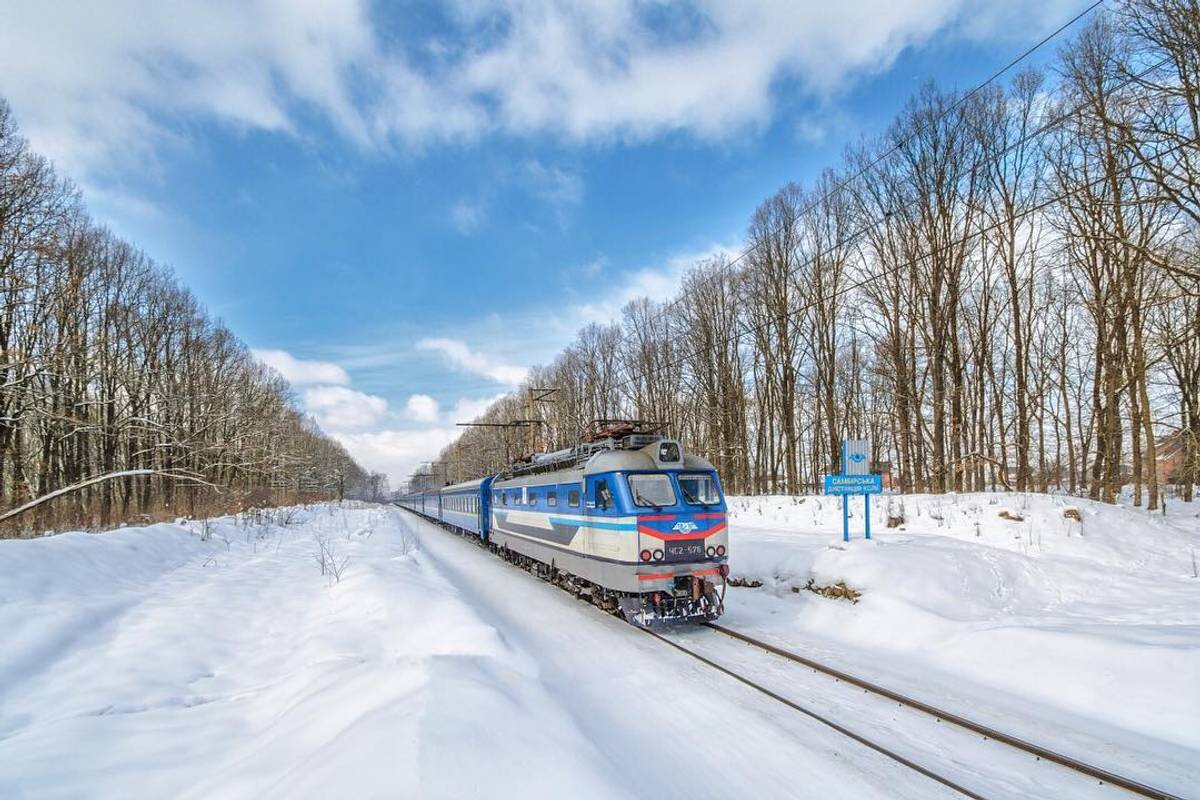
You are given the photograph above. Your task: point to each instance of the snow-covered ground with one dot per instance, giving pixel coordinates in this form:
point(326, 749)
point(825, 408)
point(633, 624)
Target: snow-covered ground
point(1080, 634)
point(149, 663)
point(216, 660)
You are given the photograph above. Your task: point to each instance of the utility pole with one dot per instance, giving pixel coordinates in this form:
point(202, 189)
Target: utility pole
point(536, 394)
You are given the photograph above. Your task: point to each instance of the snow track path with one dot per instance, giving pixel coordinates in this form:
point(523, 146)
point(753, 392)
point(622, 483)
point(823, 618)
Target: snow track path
point(149, 663)
point(666, 725)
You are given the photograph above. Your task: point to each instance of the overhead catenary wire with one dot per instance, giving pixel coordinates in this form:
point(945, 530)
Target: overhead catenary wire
point(841, 185)
point(861, 282)
point(847, 181)
point(869, 226)
point(844, 183)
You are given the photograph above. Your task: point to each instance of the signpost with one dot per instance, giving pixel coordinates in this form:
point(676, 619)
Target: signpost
point(856, 478)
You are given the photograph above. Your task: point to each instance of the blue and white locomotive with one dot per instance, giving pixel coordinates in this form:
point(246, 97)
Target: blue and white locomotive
point(627, 520)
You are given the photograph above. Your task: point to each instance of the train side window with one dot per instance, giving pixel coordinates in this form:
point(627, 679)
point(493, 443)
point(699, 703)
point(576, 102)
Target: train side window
point(573, 498)
point(552, 498)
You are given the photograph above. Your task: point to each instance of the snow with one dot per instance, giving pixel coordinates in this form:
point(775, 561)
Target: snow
point(215, 660)
point(152, 662)
point(1081, 635)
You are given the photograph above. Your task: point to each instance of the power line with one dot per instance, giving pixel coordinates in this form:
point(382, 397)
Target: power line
point(847, 181)
point(1041, 130)
point(861, 282)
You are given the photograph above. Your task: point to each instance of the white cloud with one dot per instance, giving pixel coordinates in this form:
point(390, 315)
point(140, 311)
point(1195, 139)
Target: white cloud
point(468, 409)
point(466, 359)
point(397, 452)
point(340, 408)
point(466, 216)
point(421, 408)
point(302, 373)
point(378, 437)
point(137, 70)
point(138, 73)
point(557, 186)
point(658, 283)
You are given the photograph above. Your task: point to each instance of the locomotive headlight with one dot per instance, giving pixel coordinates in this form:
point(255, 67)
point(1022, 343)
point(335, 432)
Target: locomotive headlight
point(668, 452)
point(645, 555)
point(658, 554)
point(712, 551)
point(720, 550)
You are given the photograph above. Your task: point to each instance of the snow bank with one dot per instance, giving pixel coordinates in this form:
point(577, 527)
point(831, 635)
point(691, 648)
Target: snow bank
point(158, 664)
point(196, 661)
point(1015, 605)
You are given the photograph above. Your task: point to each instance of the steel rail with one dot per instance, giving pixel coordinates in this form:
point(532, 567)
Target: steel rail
point(1102, 775)
point(892, 754)
point(1098, 773)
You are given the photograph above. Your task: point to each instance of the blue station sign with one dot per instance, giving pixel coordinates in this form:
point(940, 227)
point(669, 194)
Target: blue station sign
point(853, 484)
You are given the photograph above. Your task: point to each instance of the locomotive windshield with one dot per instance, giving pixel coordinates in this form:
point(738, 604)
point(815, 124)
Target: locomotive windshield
point(652, 490)
point(699, 490)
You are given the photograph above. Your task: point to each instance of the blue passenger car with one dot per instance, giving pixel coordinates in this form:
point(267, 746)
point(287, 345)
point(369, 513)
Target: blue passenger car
point(466, 506)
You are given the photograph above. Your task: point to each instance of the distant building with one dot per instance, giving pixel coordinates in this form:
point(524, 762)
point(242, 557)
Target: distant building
point(1170, 452)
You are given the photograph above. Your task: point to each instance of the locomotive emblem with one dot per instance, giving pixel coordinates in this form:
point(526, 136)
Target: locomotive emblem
point(685, 527)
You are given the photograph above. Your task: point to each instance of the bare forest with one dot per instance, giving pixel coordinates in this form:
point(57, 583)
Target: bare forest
point(1002, 291)
point(121, 399)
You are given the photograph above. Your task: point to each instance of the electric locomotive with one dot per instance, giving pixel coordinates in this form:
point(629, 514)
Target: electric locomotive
point(626, 519)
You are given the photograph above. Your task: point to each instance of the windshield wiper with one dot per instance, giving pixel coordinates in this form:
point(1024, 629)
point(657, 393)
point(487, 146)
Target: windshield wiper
point(695, 500)
point(642, 501)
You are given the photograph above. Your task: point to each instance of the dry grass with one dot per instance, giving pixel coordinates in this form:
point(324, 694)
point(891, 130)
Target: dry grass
point(835, 591)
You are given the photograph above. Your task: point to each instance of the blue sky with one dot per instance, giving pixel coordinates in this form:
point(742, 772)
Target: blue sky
point(405, 205)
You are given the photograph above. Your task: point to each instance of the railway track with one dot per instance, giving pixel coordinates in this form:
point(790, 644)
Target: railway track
point(1090, 771)
point(1100, 776)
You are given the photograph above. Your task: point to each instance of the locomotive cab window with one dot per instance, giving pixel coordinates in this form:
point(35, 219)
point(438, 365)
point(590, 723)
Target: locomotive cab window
point(699, 490)
point(652, 490)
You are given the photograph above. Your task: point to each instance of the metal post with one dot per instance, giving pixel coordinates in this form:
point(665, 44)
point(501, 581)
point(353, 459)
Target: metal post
point(867, 506)
point(845, 501)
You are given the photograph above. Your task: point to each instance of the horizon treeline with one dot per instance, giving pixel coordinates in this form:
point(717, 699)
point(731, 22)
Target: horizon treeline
point(108, 364)
point(1001, 290)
